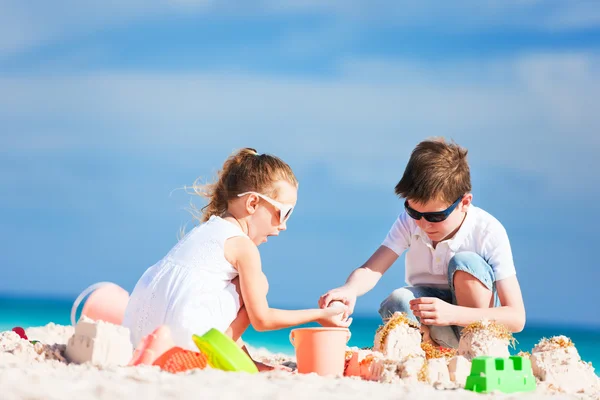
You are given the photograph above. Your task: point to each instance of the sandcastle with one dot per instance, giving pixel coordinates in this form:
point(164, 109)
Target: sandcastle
point(459, 368)
point(438, 364)
point(485, 338)
point(481, 338)
point(26, 351)
point(398, 338)
point(556, 362)
point(399, 356)
point(557, 366)
point(359, 362)
point(99, 343)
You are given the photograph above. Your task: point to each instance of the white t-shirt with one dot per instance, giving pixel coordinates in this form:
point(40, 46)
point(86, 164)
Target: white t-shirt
point(480, 233)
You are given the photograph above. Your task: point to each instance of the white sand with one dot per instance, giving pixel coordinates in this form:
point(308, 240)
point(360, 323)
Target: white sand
point(25, 374)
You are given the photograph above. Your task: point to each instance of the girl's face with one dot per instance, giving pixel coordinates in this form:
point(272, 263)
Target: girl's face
point(270, 215)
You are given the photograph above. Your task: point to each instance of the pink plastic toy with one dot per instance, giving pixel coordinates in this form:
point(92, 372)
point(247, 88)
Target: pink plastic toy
point(21, 332)
point(107, 302)
point(320, 350)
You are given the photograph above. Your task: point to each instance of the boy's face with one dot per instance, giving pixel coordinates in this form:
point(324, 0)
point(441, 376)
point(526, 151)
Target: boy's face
point(438, 231)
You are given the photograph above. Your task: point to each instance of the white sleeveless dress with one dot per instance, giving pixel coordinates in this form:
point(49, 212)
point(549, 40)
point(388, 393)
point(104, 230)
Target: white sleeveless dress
point(190, 289)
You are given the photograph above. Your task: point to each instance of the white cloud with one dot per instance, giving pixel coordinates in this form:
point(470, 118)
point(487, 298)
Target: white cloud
point(533, 113)
point(573, 15)
point(26, 25)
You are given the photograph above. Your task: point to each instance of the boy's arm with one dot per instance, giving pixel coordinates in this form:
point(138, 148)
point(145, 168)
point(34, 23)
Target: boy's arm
point(498, 253)
point(362, 279)
point(511, 313)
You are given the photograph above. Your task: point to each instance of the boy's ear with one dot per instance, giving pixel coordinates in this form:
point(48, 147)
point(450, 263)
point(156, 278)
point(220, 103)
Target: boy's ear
point(466, 201)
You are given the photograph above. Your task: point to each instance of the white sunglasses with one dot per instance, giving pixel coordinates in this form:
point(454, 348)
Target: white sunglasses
point(285, 210)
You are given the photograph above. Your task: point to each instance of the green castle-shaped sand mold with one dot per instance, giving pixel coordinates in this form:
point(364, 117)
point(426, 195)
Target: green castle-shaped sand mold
point(507, 375)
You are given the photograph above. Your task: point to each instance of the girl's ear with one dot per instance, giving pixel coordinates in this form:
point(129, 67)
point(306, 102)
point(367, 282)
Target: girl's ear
point(252, 203)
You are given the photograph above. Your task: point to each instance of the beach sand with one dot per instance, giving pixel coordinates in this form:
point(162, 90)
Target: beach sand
point(27, 375)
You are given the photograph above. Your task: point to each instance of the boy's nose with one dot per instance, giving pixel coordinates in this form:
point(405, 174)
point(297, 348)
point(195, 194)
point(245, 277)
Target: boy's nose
point(424, 224)
point(283, 226)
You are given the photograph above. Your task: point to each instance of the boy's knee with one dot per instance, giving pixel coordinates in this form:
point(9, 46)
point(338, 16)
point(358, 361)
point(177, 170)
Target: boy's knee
point(465, 260)
point(472, 264)
point(397, 301)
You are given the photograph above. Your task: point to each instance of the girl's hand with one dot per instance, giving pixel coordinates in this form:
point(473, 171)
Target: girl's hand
point(433, 311)
point(334, 317)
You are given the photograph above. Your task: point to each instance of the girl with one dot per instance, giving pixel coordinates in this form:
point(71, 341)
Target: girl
point(213, 277)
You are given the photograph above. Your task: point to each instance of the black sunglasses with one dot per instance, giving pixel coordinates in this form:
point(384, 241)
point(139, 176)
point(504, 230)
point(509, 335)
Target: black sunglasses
point(437, 216)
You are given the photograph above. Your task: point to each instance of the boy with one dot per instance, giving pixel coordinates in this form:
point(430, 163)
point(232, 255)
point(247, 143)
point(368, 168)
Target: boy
point(459, 262)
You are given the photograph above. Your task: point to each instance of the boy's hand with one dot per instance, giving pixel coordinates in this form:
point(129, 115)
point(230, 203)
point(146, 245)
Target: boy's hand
point(433, 311)
point(335, 317)
point(343, 294)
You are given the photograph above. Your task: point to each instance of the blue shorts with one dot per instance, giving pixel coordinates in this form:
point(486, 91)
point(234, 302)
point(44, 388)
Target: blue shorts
point(447, 336)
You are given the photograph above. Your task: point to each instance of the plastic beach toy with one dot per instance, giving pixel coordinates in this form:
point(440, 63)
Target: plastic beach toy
point(177, 359)
point(321, 350)
point(223, 353)
point(107, 302)
point(508, 375)
point(21, 332)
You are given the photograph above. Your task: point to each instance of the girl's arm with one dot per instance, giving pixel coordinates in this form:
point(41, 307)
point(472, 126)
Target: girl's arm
point(244, 255)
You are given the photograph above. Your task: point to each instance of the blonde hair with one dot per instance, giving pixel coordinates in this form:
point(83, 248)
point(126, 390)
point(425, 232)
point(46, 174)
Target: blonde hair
point(243, 171)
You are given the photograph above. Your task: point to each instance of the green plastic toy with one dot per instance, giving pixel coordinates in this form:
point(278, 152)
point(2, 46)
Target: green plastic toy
point(223, 353)
point(507, 375)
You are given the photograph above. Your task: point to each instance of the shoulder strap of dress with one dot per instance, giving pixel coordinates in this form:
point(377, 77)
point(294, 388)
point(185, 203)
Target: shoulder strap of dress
point(225, 229)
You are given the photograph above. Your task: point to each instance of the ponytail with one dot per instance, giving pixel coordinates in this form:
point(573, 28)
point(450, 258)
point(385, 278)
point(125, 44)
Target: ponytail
point(243, 171)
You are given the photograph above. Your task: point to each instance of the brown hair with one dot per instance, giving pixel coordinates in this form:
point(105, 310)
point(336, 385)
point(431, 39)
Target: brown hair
point(436, 170)
point(243, 171)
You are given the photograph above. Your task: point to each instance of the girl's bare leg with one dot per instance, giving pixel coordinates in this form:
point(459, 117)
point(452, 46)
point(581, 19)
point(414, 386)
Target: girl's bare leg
point(242, 321)
point(239, 326)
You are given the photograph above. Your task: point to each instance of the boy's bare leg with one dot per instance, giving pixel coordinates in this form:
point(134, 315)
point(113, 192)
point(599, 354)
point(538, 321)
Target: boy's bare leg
point(470, 292)
point(426, 336)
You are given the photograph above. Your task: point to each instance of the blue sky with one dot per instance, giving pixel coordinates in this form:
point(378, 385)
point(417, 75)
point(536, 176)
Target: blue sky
point(107, 108)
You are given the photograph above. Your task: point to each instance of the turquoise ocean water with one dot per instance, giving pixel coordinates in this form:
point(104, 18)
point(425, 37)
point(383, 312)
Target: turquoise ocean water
point(27, 312)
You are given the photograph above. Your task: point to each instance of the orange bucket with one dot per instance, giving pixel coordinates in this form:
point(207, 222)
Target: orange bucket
point(320, 350)
point(107, 302)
